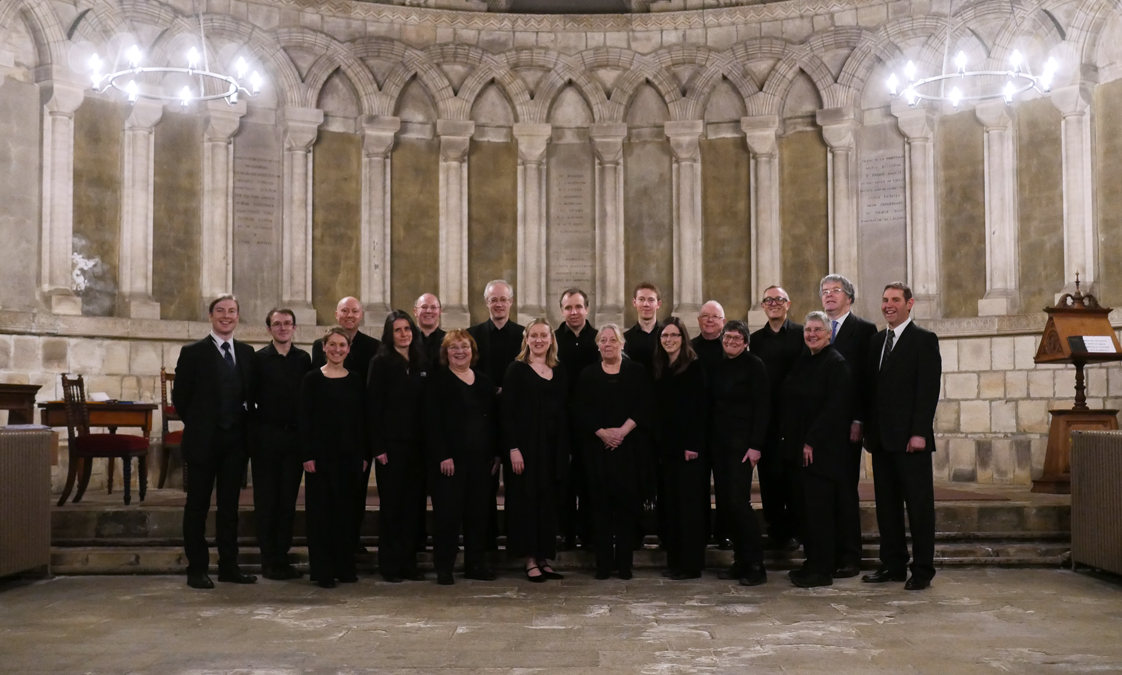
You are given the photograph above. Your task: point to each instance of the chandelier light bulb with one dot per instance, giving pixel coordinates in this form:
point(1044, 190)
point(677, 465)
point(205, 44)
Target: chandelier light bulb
point(892, 83)
point(255, 83)
point(241, 67)
point(192, 58)
point(1015, 60)
point(960, 62)
point(956, 96)
point(910, 96)
point(132, 91)
point(95, 66)
point(1008, 92)
point(185, 96)
point(910, 71)
point(134, 56)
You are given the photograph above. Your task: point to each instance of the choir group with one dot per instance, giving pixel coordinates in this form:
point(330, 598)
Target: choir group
point(583, 428)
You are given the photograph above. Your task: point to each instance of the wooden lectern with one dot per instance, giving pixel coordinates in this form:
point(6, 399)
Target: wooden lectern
point(1078, 332)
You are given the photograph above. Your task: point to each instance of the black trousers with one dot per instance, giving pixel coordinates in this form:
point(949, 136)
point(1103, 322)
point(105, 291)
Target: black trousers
point(329, 512)
point(734, 489)
point(848, 514)
point(399, 482)
point(223, 469)
point(493, 510)
point(780, 503)
point(277, 471)
point(575, 510)
point(359, 492)
point(460, 501)
point(904, 479)
point(685, 499)
point(723, 525)
point(820, 496)
point(616, 516)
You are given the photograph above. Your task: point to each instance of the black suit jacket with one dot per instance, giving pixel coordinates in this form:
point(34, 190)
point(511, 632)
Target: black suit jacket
point(363, 350)
point(195, 395)
point(903, 394)
point(852, 342)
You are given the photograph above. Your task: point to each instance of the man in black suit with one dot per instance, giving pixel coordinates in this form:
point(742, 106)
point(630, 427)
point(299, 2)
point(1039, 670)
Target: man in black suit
point(427, 312)
point(499, 340)
point(349, 315)
point(576, 350)
point(850, 335)
point(710, 351)
point(641, 340)
point(212, 396)
point(278, 371)
point(904, 368)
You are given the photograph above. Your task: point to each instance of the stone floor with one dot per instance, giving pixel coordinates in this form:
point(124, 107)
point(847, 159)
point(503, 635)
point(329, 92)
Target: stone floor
point(969, 621)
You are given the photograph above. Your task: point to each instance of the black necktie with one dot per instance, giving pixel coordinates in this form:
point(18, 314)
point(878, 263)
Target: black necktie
point(228, 355)
point(887, 347)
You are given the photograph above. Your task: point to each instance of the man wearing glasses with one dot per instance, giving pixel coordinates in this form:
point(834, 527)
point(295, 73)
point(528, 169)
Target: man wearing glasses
point(778, 344)
point(850, 336)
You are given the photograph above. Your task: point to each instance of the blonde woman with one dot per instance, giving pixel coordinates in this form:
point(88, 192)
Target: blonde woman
point(536, 448)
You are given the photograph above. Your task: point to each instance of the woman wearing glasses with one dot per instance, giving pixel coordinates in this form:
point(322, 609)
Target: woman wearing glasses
point(741, 408)
point(680, 392)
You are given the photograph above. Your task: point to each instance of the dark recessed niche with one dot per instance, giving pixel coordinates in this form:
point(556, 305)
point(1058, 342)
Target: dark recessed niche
point(568, 7)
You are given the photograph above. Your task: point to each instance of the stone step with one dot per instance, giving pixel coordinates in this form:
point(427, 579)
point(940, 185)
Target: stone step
point(169, 559)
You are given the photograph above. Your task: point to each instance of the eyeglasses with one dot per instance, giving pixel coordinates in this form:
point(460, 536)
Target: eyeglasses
point(710, 317)
point(672, 336)
point(732, 337)
point(499, 301)
point(831, 291)
point(774, 301)
point(282, 324)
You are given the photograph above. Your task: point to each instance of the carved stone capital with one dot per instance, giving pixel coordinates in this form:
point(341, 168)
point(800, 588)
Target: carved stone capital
point(760, 132)
point(61, 97)
point(607, 141)
point(378, 134)
point(917, 124)
point(994, 115)
point(145, 114)
point(301, 126)
point(838, 125)
point(455, 139)
point(685, 139)
point(1072, 100)
point(533, 139)
point(223, 120)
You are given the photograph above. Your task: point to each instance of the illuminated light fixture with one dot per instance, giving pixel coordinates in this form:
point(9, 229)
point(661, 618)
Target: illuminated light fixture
point(1017, 81)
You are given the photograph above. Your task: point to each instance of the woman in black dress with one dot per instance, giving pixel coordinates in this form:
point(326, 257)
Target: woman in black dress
point(741, 407)
point(535, 435)
point(680, 392)
point(393, 405)
point(461, 412)
point(815, 433)
point(334, 448)
point(615, 409)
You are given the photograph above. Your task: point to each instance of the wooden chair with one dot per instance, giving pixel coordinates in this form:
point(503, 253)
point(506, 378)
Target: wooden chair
point(171, 440)
point(84, 446)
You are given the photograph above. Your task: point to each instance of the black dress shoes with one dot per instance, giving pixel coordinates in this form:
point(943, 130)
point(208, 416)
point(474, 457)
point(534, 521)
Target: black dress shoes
point(200, 581)
point(846, 572)
point(352, 579)
point(481, 574)
point(725, 544)
point(884, 575)
point(414, 575)
point(326, 583)
point(601, 576)
point(445, 578)
point(548, 573)
point(626, 575)
point(683, 576)
point(916, 584)
point(281, 573)
point(236, 577)
point(754, 575)
point(786, 545)
point(733, 572)
point(805, 579)
point(668, 573)
point(391, 579)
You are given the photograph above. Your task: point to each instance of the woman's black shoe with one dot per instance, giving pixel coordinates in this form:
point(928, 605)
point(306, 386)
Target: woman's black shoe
point(754, 575)
point(548, 572)
point(445, 578)
point(326, 583)
point(539, 579)
point(392, 578)
point(414, 575)
point(352, 579)
point(682, 576)
point(600, 576)
point(625, 574)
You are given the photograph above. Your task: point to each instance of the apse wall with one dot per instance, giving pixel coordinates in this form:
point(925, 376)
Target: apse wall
point(716, 152)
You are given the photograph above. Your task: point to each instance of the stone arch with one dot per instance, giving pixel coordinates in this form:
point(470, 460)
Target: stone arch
point(336, 55)
point(102, 17)
point(723, 67)
point(568, 71)
point(1086, 29)
point(487, 69)
point(42, 23)
point(411, 62)
point(870, 49)
point(640, 69)
point(779, 82)
point(1036, 23)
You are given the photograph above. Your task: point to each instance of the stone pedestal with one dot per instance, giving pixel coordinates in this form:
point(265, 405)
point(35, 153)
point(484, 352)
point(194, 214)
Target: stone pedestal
point(1080, 230)
point(134, 268)
point(767, 242)
point(532, 139)
point(60, 98)
point(838, 125)
point(217, 241)
point(455, 139)
point(607, 144)
point(1001, 210)
point(377, 141)
point(301, 126)
point(685, 143)
point(924, 250)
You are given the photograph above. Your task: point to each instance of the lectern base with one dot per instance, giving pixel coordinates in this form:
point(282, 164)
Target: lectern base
point(1056, 478)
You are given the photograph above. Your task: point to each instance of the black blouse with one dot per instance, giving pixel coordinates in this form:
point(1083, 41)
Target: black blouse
point(535, 419)
point(816, 398)
point(682, 410)
point(741, 404)
point(462, 419)
point(332, 422)
point(393, 401)
point(607, 401)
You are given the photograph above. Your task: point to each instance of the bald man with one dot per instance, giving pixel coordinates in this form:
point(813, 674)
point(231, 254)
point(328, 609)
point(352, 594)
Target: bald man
point(427, 312)
point(707, 344)
point(349, 315)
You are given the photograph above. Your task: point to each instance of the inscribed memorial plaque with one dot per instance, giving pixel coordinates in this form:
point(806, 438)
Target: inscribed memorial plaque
point(572, 224)
point(257, 209)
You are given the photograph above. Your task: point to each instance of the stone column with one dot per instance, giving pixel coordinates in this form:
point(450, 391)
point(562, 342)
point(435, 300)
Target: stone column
point(924, 248)
point(377, 141)
point(533, 139)
point(607, 143)
point(301, 126)
point(134, 268)
point(1001, 210)
point(60, 99)
point(217, 240)
point(838, 125)
point(1080, 231)
point(767, 239)
point(685, 143)
point(455, 140)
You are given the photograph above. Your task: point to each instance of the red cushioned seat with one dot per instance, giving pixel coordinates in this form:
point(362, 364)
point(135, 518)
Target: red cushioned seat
point(110, 445)
point(173, 438)
point(170, 410)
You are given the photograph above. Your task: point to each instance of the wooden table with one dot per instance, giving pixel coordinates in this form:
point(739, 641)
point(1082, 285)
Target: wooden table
point(110, 415)
point(19, 401)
